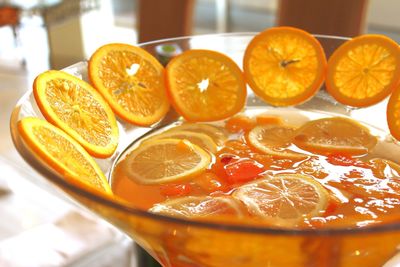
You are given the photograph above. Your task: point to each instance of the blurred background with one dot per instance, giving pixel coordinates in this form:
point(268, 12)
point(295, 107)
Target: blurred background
point(39, 229)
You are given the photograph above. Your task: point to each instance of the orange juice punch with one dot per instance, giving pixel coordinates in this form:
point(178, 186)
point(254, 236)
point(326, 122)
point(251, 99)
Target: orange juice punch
point(231, 156)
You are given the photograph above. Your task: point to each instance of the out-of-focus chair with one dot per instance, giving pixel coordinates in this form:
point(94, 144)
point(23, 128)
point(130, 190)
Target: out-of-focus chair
point(333, 17)
point(10, 16)
point(159, 19)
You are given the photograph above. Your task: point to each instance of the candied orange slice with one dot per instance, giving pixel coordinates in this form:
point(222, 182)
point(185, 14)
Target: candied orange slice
point(199, 139)
point(63, 154)
point(364, 70)
point(205, 85)
point(284, 65)
point(195, 207)
point(218, 134)
point(132, 81)
point(393, 114)
point(165, 160)
point(77, 108)
point(336, 134)
point(274, 140)
point(284, 199)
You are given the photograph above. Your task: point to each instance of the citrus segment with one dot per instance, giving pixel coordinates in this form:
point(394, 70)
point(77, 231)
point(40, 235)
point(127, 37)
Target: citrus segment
point(284, 199)
point(218, 134)
point(332, 135)
point(194, 207)
point(284, 66)
point(74, 106)
point(205, 85)
point(274, 140)
point(132, 81)
point(63, 154)
point(165, 160)
point(393, 113)
point(199, 139)
point(364, 70)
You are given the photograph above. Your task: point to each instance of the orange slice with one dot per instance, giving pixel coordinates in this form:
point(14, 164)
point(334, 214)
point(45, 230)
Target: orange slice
point(218, 134)
point(132, 81)
point(77, 108)
point(332, 135)
point(165, 160)
point(274, 140)
point(284, 199)
point(205, 85)
point(284, 66)
point(199, 139)
point(63, 154)
point(393, 113)
point(364, 70)
point(194, 207)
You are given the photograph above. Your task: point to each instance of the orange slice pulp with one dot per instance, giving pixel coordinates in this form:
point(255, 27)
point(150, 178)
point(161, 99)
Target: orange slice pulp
point(205, 85)
point(364, 70)
point(63, 154)
point(77, 108)
point(284, 65)
point(132, 81)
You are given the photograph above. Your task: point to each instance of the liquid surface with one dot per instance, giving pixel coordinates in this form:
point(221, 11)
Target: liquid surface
point(292, 169)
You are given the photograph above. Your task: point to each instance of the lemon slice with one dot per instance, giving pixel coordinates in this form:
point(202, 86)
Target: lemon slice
point(284, 199)
point(165, 160)
point(218, 134)
point(336, 134)
point(199, 139)
point(274, 140)
point(199, 206)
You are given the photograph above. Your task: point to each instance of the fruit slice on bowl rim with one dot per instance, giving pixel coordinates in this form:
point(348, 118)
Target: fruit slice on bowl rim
point(165, 160)
point(205, 85)
point(364, 70)
point(63, 154)
point(132, 81)
point(393, 113)
point(77, 108)
point(284, 66)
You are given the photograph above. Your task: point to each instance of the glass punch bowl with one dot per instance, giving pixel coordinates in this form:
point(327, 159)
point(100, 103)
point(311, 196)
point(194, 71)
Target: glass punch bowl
point(178, 242)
